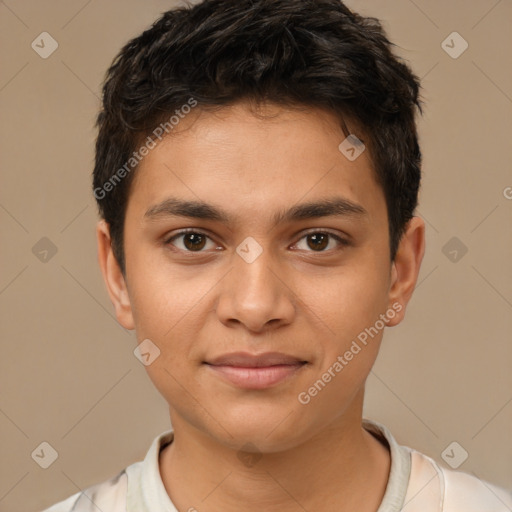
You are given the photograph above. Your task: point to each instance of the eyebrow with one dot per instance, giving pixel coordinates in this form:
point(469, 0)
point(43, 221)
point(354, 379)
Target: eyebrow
point(336, 206)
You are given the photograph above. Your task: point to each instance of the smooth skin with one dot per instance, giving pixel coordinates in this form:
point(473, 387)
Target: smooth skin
point(307, 296)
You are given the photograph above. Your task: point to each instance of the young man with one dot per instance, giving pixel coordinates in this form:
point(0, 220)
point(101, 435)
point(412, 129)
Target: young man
point(257, 171)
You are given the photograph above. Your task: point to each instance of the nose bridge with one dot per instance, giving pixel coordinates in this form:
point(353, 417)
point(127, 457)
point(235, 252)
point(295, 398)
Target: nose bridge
point(256, 276)
point(253, 293)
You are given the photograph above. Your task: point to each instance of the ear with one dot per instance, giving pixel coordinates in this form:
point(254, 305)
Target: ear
point(113, 277)
point(406, 267)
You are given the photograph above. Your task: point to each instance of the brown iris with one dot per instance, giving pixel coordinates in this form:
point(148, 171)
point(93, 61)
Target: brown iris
point(194, 241)
point(319, 241)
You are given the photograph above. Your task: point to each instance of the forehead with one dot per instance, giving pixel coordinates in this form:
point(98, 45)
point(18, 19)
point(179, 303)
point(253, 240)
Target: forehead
point(254, 162)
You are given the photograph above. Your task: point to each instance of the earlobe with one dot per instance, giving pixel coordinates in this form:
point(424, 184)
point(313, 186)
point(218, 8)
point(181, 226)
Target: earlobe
point(113, 277)
point(406, 267)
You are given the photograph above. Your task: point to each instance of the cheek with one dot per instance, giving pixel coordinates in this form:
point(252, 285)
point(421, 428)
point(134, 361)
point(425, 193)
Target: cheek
point(349, 304)
point(164, 300)
point(350, 333)
point(165, 315)
point(347, 300)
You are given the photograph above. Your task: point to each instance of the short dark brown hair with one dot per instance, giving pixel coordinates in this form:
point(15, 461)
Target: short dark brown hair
point(310, 53)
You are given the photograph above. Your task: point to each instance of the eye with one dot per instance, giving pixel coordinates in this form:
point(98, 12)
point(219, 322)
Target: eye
point(191, 241)
point(319, 241)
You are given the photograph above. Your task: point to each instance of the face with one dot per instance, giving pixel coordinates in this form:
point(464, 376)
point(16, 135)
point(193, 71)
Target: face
point(257, 261)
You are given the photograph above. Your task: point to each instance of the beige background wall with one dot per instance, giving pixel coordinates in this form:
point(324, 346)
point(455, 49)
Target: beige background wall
point(68, 375)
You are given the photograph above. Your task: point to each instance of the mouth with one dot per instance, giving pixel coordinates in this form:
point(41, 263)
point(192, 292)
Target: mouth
point(249, 371)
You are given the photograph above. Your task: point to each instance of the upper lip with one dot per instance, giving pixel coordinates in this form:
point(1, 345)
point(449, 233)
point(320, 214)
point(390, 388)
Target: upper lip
point(247, 360)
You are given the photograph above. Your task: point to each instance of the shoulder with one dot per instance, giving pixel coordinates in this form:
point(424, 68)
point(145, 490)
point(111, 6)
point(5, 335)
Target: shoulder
point(451, 491)
point(109, 495)
point(131, 485)
point(467, 492)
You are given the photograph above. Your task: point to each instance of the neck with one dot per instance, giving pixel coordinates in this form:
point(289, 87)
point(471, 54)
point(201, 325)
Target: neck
point(342, 468)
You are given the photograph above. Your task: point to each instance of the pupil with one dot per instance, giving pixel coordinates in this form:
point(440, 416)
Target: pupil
point(319, 241)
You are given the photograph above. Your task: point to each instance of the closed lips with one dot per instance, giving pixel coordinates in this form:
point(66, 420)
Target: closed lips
point(247, 360)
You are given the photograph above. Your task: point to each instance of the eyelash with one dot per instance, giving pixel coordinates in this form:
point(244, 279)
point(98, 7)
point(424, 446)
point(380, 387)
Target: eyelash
point(342, 242)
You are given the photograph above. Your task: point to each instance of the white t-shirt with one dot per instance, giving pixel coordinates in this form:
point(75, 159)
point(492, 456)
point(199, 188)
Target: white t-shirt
point(416, 484)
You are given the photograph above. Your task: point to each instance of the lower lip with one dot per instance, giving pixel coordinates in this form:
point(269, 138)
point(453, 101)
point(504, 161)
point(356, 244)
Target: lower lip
point(257, 378)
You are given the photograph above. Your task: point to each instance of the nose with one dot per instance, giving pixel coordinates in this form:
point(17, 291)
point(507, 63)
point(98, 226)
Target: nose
point(256, 295)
